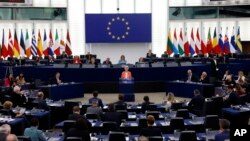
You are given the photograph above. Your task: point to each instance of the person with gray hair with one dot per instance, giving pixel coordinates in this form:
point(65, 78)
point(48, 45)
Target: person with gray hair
point(143, 138)
point(195, 106)
point(204, 78)
point(5, 128)
point(94, 109)
point(126, 74)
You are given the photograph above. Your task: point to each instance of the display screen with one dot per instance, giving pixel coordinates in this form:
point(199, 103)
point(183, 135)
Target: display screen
point(13, 1)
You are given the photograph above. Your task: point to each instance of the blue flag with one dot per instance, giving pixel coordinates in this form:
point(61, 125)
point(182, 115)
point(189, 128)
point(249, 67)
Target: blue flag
point(118, 28)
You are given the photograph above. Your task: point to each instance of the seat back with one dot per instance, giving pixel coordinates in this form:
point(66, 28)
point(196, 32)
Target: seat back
point(155, 138)
point(142, 123)
point(152, 107)
point(109, 126)
point(73, 139)
point(184, 113)
point(67, 125)
point(117, 136)
point(212, 122)
point(188, 136)
point(124, 114)
point(23, 138)
point(68, 106)
point(91, 116)
point(120, 107)
point(176, 124)
point(153, 113)
point(177, 106)
point(209, 108)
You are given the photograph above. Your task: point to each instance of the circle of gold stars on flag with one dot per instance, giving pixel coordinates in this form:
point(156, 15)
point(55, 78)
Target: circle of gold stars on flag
point(113, 35)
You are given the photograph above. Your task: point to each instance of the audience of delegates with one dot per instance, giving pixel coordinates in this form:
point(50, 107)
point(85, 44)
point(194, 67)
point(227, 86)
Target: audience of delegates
point(191, 77)
point(20, 79)
point(41, 102)
point(170, 99)
point(231, 98)
point(95, 97)
point(94, 109)
point(112, 116)
point(196, 104)
point(145, 104)
point(224, 132)
point(126, 74)
point(122, 60)
point(12, 137)
point(204, 78)
point(80, 129)
point(8, 79)
point(33, 132)
point(150, 130)
point(56, 79)
point(241, 78)
point(76, 60)
point(107, 62)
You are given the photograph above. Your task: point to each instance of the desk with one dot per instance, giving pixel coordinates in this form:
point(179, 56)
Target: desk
point(183, 89)
point(42, 116)
point(237, 116)
point(63, 91)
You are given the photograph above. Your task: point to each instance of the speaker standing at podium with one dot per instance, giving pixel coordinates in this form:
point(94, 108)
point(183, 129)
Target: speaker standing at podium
point(126, 74)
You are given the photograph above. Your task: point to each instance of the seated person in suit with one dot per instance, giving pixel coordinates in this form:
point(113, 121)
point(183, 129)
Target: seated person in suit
point(150, 54)
point(204, 78)
point(141, 61)
point(121, 100)
point(41, 103)
point(150, 130)
point(64, 55)
point(145, 104)
point(88, 56)
point(20, 79)
point(224, 132)
point(196, 104)
point(112, 116)
point(33, 132)
point(95, 97)
point(122, 60)
point(11, 137)
point(50, 59)
point(170, 99)
point(93, 61)
point(56, 79)
point(232, 98)
point(94, 109)
point(107, 62)
point(80, 129)
point(126, 74)
point(190, 76)
point(77, 114)
point(17, 96)
point(76, 60)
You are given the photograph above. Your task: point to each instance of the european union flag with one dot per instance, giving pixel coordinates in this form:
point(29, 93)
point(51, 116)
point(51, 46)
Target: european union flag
point(118, 28)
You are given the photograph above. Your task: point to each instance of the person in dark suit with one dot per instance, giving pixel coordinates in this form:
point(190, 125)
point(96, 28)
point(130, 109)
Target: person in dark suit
point(93, 62)
point(150, 54)
point(232, 98)
point(214, 67)
point(56, 79)
point(204, 78)
point(50, 60)
point(145, 104)
point(224, 132)
point(196, 104)
point(120, 100)
point(41, 103)
point(95, 97)
point(79, 130)
point(150, 130)
point(76, 115)
point(190, 76)
point(107, 62)
point(112, 116)
point(64, 55)
point(88, 56)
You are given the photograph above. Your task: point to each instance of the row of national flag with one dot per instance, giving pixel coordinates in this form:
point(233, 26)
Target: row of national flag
point(34, 46)
point(197, 45)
